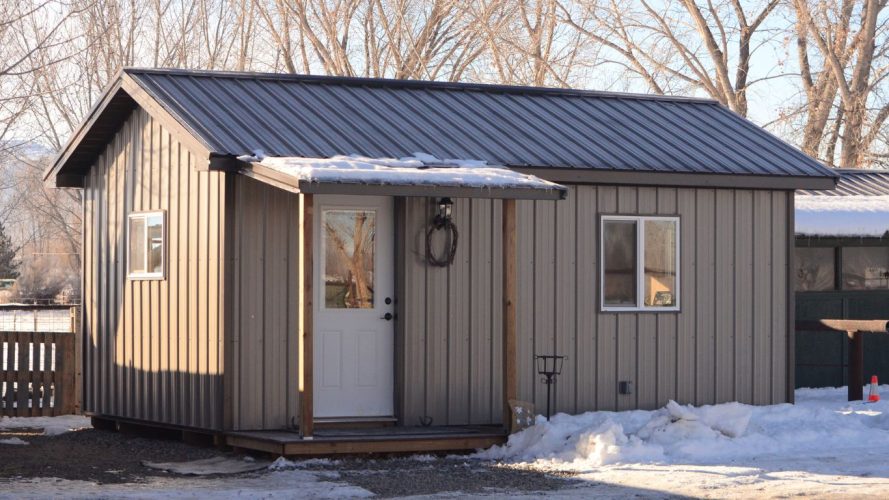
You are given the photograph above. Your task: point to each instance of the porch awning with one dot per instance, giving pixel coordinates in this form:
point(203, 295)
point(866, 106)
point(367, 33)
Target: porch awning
point(418, 175)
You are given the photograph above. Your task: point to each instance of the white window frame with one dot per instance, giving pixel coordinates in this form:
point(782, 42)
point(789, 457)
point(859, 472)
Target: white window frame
point(148, 275)
point(640, 263)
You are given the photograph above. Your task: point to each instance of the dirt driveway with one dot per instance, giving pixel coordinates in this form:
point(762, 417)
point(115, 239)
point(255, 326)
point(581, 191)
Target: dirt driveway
point(112, 458)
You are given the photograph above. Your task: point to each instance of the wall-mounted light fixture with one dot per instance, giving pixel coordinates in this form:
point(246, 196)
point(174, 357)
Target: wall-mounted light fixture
point(444, 208)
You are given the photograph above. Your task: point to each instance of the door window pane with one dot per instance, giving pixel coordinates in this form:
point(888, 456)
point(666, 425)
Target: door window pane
point(660, 263)
point(865, 268)
point(619, 263)
point(348, 258)
point(137, 245)
point(815, 269)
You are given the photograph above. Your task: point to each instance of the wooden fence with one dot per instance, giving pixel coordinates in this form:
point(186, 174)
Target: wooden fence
point(38, 372)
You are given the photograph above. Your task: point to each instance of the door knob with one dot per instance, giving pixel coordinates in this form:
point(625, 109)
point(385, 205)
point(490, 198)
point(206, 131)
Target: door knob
point(388, 316)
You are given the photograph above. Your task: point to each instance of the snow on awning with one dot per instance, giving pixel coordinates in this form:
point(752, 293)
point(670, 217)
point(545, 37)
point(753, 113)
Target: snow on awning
point(418, 175)
point(821, 215)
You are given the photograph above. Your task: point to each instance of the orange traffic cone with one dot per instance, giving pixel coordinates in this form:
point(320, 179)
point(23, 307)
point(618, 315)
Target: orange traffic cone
point(873, 397)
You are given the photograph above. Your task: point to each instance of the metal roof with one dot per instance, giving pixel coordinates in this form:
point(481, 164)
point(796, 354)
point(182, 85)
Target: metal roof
point(855, 182)
point(293, 115)
point(232, 114)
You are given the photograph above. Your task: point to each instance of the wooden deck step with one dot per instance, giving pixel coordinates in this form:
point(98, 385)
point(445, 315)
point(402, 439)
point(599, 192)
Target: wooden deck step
point(374, 440)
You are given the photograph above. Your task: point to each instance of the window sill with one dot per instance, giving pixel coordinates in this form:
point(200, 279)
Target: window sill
point(639, 310)
point(146, 277)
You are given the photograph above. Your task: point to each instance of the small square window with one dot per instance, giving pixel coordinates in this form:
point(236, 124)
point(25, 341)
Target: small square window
point(640, 263)
point(147, 245)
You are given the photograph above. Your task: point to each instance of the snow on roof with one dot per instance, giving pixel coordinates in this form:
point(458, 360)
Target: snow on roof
point(842, 215)
point(420, 169)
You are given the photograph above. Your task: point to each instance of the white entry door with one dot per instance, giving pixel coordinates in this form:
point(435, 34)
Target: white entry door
point(354, 307)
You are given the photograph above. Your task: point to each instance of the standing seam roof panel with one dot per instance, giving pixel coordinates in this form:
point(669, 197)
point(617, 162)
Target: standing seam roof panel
point(667, 154)
point(578, 141)
point(169, 90)
point(714, 152)
point(615, 145)
point(501, 107)
point(489, 128)
point(293, 115)
point(758, 138)
point(733, 160)
point(855, 183)
point(401, 121)
point(291, 120)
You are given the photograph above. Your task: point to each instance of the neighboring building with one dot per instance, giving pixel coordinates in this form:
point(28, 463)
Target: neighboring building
point(842, 272)
point(214, 301)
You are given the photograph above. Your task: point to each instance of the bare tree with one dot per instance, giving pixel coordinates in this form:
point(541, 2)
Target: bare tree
point(848, 38)
point(679, 45)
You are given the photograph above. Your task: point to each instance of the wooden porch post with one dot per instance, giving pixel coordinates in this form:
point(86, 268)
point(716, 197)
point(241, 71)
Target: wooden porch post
point(306, 349)
point(509, 308)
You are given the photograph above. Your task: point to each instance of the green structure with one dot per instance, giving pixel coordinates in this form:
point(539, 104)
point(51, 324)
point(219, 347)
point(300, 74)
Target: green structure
point(842, 272)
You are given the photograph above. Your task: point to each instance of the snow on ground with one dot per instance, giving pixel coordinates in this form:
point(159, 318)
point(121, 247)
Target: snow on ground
point(276, 484)
point(51, 426)
point(822, 445)
point(420, 169)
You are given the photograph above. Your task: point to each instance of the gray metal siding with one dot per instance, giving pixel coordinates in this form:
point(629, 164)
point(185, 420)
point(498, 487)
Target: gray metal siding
point(264, 331)
point(153, 348)
point(727, 343)
point(297, 115)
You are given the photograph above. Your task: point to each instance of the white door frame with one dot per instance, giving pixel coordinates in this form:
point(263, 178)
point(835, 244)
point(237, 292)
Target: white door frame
point(354, 348)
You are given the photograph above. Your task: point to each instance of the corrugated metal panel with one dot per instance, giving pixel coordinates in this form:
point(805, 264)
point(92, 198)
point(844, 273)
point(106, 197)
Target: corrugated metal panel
point(727, 343)
point(150, 353)
point(855, 182)
point(264, 342)
point(294, 115)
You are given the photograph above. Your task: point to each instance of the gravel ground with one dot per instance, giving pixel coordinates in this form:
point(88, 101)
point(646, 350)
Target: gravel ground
point(394, 477)
point(92, 455)
point(105, 457)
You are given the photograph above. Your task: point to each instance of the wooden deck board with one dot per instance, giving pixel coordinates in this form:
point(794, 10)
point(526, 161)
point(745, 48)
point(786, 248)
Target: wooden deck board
point(379, 440)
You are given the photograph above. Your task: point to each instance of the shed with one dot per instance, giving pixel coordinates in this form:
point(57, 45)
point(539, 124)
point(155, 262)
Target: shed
point(269, 258)
point(842, 272)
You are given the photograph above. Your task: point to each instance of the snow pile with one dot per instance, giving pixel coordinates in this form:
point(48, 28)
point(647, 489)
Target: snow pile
point(842, 215)
point(420, 169)
point(14, 440)
point(820, 422)
point(52, 426)
point(209, 466)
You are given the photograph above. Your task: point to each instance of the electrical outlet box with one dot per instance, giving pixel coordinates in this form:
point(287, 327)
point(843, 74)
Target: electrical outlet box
point(625, 387)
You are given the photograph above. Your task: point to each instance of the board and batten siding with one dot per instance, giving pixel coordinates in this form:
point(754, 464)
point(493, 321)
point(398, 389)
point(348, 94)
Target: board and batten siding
point(729, 341)
point(154, 348)
point(264, 341)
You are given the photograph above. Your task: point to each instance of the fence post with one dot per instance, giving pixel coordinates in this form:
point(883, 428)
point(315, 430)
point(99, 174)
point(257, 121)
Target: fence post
point(77, 333)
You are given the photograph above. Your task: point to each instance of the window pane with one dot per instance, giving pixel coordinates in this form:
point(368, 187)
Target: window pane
point(137, 245)
point(815, 269)
point(349, 259)
point(660, 263)
point(619, 263)
point(865, 268)
point(155, 244)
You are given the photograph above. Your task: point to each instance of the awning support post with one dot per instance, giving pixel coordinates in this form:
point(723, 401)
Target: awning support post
point(509, 308)
point(306, 321)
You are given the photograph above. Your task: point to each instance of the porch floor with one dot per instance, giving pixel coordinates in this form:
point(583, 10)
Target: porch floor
point(369, 440)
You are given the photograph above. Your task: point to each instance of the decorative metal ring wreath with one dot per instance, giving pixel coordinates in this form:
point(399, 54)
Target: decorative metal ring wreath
point(446, 224)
